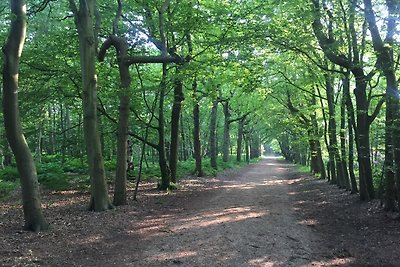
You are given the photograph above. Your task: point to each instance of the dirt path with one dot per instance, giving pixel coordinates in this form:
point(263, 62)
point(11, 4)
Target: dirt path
point(263, 215)
point(243, 219)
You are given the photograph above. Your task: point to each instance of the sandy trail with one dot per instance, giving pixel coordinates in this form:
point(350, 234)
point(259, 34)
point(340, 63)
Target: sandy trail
point(241, 219)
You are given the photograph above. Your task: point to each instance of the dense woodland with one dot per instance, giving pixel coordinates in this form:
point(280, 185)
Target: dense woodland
point(112, 89)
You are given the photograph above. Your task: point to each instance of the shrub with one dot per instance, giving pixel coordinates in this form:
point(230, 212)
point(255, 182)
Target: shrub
point(6, 187)
point(9, 174)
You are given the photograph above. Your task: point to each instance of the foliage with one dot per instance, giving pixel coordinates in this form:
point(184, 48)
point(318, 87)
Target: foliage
point(9, 174)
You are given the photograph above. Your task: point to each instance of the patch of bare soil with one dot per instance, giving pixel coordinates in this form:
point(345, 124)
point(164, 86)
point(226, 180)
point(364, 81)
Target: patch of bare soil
point(263, 215)
point(355, 233)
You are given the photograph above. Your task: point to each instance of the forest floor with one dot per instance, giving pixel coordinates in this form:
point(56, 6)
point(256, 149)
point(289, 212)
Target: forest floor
point(265, 214)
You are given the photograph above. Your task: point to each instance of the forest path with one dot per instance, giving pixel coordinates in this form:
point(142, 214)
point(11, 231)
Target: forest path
point(240, 219)
point(265, 214)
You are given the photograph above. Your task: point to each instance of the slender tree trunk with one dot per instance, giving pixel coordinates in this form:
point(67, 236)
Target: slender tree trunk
point(362, 135)
point(240, 140)
point(226, 138)
point(247, 149)
point(51, 145)
point(350, 128)
point(213, 134)
point(332, 148)
point(84, 21)
point(162, 157)
point(175, 116)
point(38, 153)
point(123, 116)
point(315, 148)
point(196, 132)
point(184, 153)
point(346, 179)
point(31, 203)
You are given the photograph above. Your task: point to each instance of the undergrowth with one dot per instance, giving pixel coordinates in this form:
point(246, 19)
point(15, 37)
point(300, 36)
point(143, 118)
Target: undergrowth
point(62, 173)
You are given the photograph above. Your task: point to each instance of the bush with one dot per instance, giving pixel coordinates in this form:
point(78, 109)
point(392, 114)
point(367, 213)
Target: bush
point(9, 174)
point(110, 165)
point(52, 176)
point(75, 165)
point(6, 187)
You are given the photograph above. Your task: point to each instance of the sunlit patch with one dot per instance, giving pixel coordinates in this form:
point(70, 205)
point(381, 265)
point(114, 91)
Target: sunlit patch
point(264, 262)
point(309, 222)
point(228, 215)
point(89, 240)
point(173, 256)
point(332, 262)
point(276, 182)
point(294, 181)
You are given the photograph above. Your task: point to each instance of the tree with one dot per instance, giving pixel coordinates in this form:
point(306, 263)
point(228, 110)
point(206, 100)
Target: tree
point(354, 63)
point(34, 219)
point(386, 63)
point(85, 20)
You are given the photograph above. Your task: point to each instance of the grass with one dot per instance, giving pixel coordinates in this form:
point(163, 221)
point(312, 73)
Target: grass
point(303, 168)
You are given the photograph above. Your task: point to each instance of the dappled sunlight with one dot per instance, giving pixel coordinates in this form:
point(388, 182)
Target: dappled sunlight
point(87, 240)
point(265, 262)
point(276, 182)
point(333, 262)
point(229, 215)
point(175, 256)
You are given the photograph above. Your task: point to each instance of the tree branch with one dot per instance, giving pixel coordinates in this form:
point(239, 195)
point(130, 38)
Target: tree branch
point(378, 107)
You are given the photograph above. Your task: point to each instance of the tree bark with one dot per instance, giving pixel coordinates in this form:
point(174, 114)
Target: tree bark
point(240, 140)
point(162, 157)
point(31, 203)
point(196, 131)
point(227, 128)
point(84, 21)
point(346, 179)
point(213, 134)
point(334, 156)
point(175, 117)
point(350, 128)
point(123, 116)
point(184, 148)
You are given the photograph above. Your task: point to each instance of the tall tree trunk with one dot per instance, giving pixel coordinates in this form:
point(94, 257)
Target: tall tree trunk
point(213, 134)
point(362, 136)
point(123, 115)
point(240, 140)
point(84, 21)
point(315, 146)
point(34, 219)
point(50, 148)
point(38, 152)
point(346, 179)
point(334, 156)
point(350, 128)
point(389, 170)
point(247, 149)
point(226, 138)
point(175, 116)
point(196, 131)
point(162, 156)
point(184, 149)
